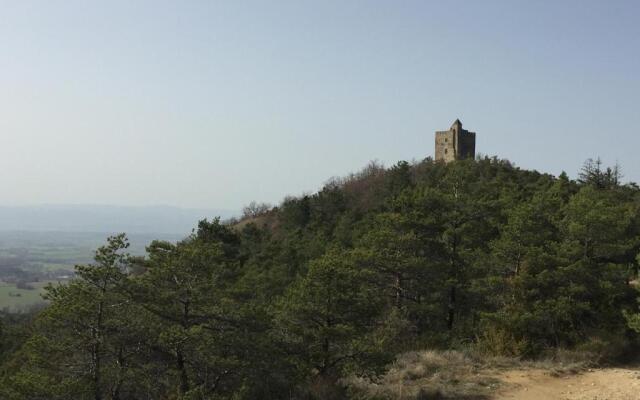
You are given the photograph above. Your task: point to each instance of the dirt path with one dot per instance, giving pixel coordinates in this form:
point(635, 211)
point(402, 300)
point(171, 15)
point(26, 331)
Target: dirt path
point(598, 384)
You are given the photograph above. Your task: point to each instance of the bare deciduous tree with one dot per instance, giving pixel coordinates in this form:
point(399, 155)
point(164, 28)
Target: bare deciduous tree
point(255, 209)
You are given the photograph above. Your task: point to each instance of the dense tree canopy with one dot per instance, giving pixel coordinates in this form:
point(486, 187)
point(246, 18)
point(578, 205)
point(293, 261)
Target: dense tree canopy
point(334, 284)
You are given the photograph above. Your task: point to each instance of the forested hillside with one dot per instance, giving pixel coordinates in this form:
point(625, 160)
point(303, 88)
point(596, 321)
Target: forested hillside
point(290, 300)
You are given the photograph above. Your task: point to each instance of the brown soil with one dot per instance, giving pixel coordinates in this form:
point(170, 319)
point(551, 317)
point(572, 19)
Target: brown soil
point(598, 384)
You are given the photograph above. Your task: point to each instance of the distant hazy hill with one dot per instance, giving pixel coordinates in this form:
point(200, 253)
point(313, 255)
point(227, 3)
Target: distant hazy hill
point(91, 218)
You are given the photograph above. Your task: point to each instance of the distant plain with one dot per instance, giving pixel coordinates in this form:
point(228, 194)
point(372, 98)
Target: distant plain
point(37, 258)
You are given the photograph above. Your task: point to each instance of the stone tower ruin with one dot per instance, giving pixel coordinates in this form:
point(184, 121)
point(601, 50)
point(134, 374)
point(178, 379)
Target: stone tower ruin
point(455, 144)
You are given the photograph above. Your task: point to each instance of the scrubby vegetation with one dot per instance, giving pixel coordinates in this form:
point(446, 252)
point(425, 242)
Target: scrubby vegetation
point(458, 374)
point(315, 298)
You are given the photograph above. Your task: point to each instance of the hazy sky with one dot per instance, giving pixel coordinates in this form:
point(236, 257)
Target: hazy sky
point(214, 104)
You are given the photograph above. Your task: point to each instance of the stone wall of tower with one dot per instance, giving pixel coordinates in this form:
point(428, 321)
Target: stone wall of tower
point(466, 145)
point(445, 146)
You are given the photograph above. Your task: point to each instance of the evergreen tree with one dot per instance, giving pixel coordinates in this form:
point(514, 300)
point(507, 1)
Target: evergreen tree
point(83, 344)
point(332, 317)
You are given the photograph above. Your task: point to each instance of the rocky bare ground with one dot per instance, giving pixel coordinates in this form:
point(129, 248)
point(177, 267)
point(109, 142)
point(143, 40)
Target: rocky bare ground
point(464, 375)
point(592, 384)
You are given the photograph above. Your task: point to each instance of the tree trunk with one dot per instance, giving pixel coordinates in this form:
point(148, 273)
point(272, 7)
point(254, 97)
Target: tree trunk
point(184, 378)
point(398, 287)
point(115, 393)
point(452, 307)
point(95, 353)
point(452, 290)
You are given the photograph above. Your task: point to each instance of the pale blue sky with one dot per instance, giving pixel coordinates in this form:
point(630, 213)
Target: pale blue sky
point(214, 104)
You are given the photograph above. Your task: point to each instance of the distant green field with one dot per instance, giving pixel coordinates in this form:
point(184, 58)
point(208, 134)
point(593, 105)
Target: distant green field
point(16, 300)
point(57, 266)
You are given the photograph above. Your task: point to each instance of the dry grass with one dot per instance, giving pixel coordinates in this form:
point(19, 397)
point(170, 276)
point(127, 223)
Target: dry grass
point(433, 374)
point(267, 219)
